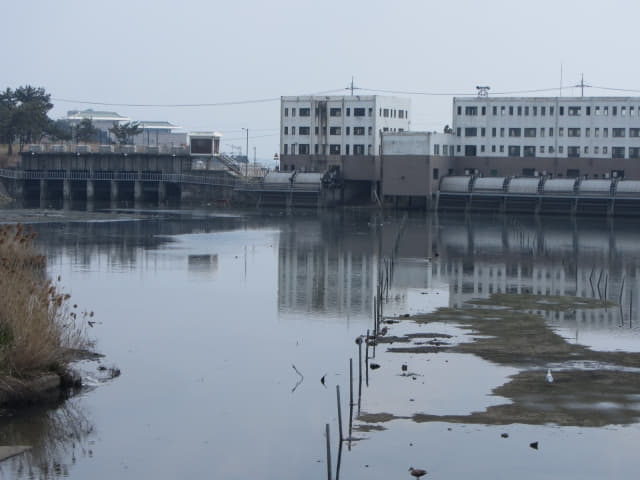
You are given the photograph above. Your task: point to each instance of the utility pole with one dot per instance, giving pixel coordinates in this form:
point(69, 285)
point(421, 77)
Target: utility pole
point(246, 165)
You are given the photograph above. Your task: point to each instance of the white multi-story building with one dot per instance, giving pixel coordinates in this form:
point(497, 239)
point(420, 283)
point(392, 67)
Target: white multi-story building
point(549, 127)
point(339, 125)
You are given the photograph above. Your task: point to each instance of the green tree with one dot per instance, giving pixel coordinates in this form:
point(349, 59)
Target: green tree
point(23, 115)
point(59, 130)
point(85, 130)
point(125, 132)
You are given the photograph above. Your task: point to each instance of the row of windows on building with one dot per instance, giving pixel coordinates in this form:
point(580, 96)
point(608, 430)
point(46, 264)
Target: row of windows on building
point(530, 132)
point(531, 150)
point(357, 112)
point(534, 110)
point(336, 130)
point(324, 149)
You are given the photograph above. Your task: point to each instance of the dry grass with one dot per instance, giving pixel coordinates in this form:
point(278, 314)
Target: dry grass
point(38, 327)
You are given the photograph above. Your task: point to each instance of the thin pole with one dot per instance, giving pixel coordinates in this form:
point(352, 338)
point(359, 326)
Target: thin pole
point(326, 428)
point(359, 375)
point(366, 359)
point(350, 396)
point(339, 412)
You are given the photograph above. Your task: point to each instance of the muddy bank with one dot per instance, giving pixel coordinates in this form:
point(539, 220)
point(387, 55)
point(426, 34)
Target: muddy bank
point(505, 330)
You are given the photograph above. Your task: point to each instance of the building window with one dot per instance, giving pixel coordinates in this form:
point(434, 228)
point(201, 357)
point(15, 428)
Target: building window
point(596, 132)
point(561, 132)
point(304, 130)
point(346, 149)
point(526, 111)
point(358, 130)
point(561, 110)
point(617, 132)
point(286, 149)
point(286, 130)
point(634, 132)
point(436, 149)
point(605, 132)
point(484, 110)
point(502, 131)
point(515, 132)
point(347, 130)
point(459, 110)
point(358, 112)
point(617, 152)
point(471, 111)
point(458, 149)
point(529, 151)
point(551, 131)
point(445, 149)
point(316, 130)
point(519, 110)
point(334, 130)
point(535, 111)
point(293, 112)
point(542, 132)
point(286, 112)
point(529, 132)
point(588, 111)
point(574, 111)
point(541, 148)
point(551, 110)
point(494, 110)
point(586, 149)
point(303, 149)
point(573, 132)
point(614, 111)
point(469, 150)
point(502, 110)
point(370, 131)
point(493, 149)
point(597, 111)
point(481, 148)
point(316, 149)
point(605, 111)
point(483, 132)
point(573, 152)
point(634, 152)
point(470, 132)
point(305, 112)
point(370, 112)
point(551, 150)
point(605, 150)
point(632, 111)
point(358, 149)
point(587, 132)
point(293, 130)
point(501, 148)
point(334, 149)
point(436, 174)
point(335, 112)
point(348, 111)
point(543, 111)
point(514, 150)
point(560, 149)
point(511, 110)
point(596, 150)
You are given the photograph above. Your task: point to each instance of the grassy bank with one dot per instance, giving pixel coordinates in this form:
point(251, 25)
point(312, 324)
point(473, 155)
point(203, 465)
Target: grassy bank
point(39, 328)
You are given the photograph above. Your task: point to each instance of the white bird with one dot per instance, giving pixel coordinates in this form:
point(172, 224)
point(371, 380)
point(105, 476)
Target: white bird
point(549, 376)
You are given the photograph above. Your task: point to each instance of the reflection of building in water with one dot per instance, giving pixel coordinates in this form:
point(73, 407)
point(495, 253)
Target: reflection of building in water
point(203, 263)
point(542, 258)
point(323, 268)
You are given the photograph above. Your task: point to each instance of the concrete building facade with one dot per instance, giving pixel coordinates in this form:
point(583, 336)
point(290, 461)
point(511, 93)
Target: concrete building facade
point(319, 131)
point(562, 136)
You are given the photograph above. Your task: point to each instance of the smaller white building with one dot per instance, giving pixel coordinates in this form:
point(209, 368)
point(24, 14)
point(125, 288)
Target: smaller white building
point(339, 125)
point(418, 143)
point(157, 133)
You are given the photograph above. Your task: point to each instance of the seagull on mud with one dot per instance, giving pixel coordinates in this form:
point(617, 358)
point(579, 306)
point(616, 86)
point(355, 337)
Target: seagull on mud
point(549, 376)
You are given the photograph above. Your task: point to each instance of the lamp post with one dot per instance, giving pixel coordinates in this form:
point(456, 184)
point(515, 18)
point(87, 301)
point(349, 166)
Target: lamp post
point(246, 165)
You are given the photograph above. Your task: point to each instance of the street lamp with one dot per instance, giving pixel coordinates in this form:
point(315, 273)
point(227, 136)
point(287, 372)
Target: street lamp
point(246, 165)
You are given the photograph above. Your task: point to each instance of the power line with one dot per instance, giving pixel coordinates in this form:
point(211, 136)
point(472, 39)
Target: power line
point(183, 105)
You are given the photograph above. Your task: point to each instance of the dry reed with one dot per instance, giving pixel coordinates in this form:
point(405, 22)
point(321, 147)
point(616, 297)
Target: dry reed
point(38, 328)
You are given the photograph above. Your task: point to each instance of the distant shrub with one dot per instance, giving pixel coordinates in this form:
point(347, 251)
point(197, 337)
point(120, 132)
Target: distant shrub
point(38, 328)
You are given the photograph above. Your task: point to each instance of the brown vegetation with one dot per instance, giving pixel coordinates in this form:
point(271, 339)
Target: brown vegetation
point(38, 328)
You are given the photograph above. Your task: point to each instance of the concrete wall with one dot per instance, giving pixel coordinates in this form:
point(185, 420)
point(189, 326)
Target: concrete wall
point(109, 162)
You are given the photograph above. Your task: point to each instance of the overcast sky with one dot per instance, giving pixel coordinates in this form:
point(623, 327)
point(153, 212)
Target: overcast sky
point(210, 51)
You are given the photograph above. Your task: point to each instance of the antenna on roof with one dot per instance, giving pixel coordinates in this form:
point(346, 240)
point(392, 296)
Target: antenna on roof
point(582, 85)
point(483, 91)
point(352, 87)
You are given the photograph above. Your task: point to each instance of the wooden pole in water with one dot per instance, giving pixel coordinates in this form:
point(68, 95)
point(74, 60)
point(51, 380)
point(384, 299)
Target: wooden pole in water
point(366, 359)
point(359, 375)
point(339, 412)
point(326, 428)
point(350, 396)
point(606, 284)
point(621, 290)
point(630, 305)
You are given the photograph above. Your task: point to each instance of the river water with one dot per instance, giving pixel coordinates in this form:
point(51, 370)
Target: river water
point(223, 324)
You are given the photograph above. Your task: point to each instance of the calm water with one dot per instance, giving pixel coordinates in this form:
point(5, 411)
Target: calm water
point(207, 313)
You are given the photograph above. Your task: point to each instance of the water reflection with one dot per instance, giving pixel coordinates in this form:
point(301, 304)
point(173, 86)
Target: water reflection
point(58, 435)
